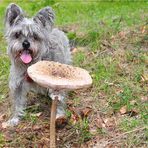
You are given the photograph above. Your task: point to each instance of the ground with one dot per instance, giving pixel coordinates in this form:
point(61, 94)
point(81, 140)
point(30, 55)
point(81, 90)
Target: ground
point(110, 40)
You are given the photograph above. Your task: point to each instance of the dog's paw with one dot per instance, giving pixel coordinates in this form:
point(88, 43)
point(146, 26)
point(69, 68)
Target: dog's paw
point(10, 123)
point(61, 122)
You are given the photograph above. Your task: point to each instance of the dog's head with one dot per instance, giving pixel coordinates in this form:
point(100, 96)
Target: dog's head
point(27, 37)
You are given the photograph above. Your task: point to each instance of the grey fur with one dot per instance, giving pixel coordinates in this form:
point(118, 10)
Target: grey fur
point(46, 43)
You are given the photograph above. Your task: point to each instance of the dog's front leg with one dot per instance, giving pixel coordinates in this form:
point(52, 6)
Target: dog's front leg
point(18, 95)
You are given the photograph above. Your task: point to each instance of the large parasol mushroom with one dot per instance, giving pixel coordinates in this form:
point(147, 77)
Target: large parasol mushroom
point(58, 77)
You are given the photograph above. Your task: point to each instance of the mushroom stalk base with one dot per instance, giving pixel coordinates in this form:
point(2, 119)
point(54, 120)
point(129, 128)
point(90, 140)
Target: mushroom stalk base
point(52, 122)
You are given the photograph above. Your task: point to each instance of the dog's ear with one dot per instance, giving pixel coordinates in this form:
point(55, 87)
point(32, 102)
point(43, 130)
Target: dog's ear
point(45, 17)
point(13, 14)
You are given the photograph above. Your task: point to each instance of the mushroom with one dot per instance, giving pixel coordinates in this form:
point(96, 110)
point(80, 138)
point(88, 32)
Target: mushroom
point(58, 77)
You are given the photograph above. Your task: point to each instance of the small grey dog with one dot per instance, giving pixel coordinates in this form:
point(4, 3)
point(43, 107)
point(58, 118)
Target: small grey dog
point(31, 40)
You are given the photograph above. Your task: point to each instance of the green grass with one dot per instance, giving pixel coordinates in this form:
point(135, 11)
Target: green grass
point(30, 118)
point(82, 127)
point(95, 19)
point(115, 62)
point(1, 139)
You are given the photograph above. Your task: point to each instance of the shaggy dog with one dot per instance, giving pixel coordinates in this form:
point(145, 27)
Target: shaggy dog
point(31, 40)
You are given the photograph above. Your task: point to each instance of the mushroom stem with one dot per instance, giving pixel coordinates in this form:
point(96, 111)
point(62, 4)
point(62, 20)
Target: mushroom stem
point(52, 122)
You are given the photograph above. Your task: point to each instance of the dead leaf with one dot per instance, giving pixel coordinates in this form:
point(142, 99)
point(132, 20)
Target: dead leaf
point(133, 102)
point(144, 77)
point(85, 112)
point(78, 49)
point(123, 110)
point(122, 34)
point(109, 122)
point(93, 130)
point(36, 127)
point(143, 29)
point(4, 125)
point(99, 122)
point(79, 113)
point(8, 137)
point(75, 116)
point(74, 119)
point(37, 114)
point(80, 34)
point(69, 103)
point(24, 128)
point(2, 117)
point(144, 99)
point(74, 110)
point(133, 112)
point(45, 139)
point(90, 54)
point(74, 50)
point(119, 90)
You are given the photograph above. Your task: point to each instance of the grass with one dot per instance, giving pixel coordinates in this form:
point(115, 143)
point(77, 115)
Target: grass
point(111, 42)
point(1, 139)
point(82, 127)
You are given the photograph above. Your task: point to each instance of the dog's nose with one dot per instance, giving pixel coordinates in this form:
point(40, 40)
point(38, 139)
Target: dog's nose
point(26, 44)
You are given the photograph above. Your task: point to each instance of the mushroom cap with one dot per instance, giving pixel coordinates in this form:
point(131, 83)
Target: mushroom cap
point(59, 76)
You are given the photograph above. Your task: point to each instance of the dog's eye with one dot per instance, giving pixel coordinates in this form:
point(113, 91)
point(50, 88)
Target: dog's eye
point(17, 35)
point(35, 36)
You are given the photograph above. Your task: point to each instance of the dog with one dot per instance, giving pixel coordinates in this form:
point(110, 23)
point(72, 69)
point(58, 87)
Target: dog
point(31, 40)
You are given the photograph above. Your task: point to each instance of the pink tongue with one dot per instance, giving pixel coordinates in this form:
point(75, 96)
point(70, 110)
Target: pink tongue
point(26, 57)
